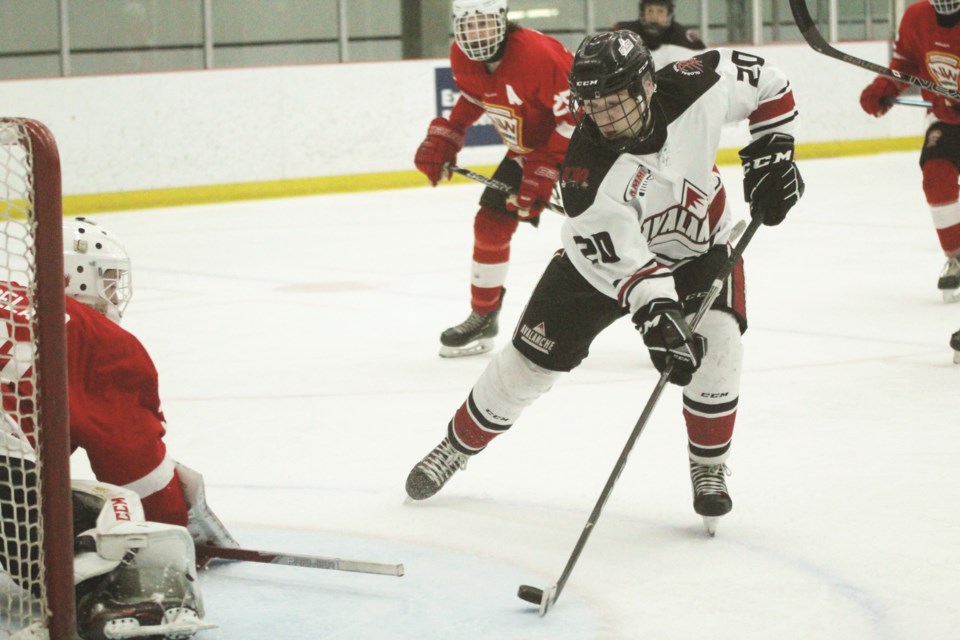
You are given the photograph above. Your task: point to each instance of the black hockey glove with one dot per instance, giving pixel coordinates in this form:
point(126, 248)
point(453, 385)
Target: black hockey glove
point(670, 339)
point(771, 180)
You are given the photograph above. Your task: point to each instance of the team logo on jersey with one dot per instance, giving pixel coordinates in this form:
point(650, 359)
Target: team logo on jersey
point(508, 125)
point(686, 223)
point(691, 67)
point(537, 338)
point(944, 68)
point(638, 185)
point(575, 177)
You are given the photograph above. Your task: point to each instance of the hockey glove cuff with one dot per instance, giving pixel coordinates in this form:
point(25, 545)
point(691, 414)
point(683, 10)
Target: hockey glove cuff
point(670, 340)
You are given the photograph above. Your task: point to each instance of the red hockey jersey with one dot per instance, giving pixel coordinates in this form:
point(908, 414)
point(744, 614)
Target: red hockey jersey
point(525, 97)
point(115, 414)
point(927, 50)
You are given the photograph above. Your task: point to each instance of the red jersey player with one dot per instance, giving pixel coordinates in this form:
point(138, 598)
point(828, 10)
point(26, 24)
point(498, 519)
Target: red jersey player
point(115, 414)
point(928, 46)
point(518, 78)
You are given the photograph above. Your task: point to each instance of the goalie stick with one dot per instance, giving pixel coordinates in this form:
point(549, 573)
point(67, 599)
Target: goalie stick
point(205, 554)
point(499, 186)
point(808, 29)
point(545, 598)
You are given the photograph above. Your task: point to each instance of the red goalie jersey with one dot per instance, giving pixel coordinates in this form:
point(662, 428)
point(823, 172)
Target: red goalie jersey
point(115, 411)
point(929, 51)
point(525, 97)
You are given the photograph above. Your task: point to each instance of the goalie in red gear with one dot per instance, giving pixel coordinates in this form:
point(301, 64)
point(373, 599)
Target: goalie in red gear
point(928, 47)
point(518, 78)
point(115, 417)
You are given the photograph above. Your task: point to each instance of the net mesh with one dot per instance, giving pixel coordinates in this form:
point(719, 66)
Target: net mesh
point(23, 604)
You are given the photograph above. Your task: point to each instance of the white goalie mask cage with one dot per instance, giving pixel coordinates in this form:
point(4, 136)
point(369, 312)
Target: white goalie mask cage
point(945, 7)
point(479, 27)
point(96, 267)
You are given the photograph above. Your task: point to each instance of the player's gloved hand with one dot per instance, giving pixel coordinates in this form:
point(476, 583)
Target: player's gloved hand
point(771, 181)
point(946, 110)
point(670, 340)
point(203, 524)
point(441, 146)
point(877, 98)
point(536, 187)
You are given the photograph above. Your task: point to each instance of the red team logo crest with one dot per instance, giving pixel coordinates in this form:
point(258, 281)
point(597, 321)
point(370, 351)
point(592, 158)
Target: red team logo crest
point(944, 68)
point(686, 223)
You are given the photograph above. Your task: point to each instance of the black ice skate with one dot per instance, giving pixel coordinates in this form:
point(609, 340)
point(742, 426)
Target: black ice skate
point(431, 473)
point(472, 336)
point(955, 345)
point(949, 282)
point(710, 497)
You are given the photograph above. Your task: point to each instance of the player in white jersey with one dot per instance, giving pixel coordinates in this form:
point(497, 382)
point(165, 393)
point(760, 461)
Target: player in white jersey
point(647, 230)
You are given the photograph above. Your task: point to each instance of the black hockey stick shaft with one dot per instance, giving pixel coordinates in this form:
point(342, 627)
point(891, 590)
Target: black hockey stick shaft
point(207, 553)
point(498, 185)
point(547, 598)
point(808, 29)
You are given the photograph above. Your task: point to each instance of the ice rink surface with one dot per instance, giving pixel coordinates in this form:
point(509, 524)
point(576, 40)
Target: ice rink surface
point(297, 347)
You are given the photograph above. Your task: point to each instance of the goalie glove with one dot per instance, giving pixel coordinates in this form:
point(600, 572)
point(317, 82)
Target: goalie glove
point(771, 180)
point(670, 339)
point(203, 524)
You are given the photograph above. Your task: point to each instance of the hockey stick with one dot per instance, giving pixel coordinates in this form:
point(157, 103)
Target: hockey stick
point(545, 598)
point(808, 29)
point(909, 102)
point(498, 185)
point(207, 553)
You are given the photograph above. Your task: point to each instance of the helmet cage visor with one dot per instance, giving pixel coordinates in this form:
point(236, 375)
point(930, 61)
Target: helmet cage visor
point(479, 35)
point(618, 105)
point(945, 7)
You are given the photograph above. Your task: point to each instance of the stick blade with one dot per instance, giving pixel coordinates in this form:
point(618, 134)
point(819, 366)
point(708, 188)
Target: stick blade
point(546, 601)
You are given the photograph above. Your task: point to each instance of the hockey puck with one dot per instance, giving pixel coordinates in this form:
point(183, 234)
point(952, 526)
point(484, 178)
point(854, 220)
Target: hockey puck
point(530, 594)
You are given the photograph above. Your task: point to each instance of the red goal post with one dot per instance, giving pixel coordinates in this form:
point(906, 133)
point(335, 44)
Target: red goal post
point(36, 586)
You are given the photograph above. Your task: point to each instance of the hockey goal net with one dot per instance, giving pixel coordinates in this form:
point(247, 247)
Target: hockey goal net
point(36, 582)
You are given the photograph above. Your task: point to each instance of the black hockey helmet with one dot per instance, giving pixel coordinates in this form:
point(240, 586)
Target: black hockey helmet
point(612, 82)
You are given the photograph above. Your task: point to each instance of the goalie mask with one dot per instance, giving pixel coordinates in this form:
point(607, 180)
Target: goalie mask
point(480, 27)
point(612, 83)
point(96, 267)
point(945, 7)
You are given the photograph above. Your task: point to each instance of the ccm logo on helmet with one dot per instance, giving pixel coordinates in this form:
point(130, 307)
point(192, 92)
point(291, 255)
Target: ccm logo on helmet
point(120, 509)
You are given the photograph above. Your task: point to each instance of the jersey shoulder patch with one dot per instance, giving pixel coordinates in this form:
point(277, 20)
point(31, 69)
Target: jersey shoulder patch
point(682, 83)
point(586, 165)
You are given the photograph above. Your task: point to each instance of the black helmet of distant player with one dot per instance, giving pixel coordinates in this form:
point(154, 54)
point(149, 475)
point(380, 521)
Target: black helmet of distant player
point(946, 7)
point(660, 16)
point(612, 82)
point(480, 27)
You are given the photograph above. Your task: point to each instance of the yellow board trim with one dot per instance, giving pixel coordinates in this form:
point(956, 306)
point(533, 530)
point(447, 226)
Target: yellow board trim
point(152, 198)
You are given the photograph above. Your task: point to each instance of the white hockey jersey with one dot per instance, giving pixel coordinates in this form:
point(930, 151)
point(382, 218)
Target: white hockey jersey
point(634, 216)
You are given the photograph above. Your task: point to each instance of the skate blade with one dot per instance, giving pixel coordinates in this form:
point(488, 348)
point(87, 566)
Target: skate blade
point(710, 524)
point(473, 349)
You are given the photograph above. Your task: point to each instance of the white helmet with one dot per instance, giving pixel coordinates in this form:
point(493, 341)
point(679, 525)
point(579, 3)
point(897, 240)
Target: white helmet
point(96, 267)
point(945, 7)
point(479, 27)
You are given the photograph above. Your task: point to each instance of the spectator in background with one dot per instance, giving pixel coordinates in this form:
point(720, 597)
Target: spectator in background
point(667, 39)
